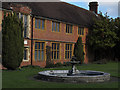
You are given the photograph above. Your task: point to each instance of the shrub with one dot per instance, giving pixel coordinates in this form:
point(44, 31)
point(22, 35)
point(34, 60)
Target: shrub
point(13, 42)
point(78, 50)
point(58, 64)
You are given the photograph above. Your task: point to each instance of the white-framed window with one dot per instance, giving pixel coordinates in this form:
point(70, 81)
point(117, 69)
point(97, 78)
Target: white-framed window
point(26, 54)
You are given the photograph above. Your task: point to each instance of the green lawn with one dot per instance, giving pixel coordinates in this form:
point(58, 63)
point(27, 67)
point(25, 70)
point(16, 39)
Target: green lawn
point(21, 78)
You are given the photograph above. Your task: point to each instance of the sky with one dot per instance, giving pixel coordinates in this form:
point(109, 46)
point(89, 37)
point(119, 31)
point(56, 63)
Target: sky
point(109, 6)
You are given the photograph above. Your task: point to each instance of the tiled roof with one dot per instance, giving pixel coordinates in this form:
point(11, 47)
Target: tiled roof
point(61, 11)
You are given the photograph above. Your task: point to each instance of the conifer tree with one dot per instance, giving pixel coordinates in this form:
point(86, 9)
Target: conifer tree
point(78, 50)
point(13, 41)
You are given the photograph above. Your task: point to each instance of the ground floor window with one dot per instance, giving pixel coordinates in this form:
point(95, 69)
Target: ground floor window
point(26, 54)
point(39, 51)
point(68, 51)
point(55, 50)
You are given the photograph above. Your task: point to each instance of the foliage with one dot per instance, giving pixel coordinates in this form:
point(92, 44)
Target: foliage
point(52, 65)
point(102, 36)
point(117, 29)
point(78, 50)
point(49, 62)
point(13, 42)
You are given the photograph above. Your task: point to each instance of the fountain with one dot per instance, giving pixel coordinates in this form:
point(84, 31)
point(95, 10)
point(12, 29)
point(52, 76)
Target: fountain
point(74, 75)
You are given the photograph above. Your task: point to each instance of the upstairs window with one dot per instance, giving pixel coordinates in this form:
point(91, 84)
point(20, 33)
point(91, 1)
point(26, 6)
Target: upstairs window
point(55, 26)
point(25, 20)
point(68, 28)
point(80, 31)
point(40, 24)
point(25, 26)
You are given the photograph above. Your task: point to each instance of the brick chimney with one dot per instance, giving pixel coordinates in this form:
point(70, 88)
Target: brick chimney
point(93, 6)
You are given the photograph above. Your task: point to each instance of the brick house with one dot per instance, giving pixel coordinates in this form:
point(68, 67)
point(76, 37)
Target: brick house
point(54, 24)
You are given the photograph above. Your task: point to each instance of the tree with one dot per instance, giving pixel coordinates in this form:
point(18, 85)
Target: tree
point(102, 36)
point(117, 30)
point(13, 41)
point(78, 50)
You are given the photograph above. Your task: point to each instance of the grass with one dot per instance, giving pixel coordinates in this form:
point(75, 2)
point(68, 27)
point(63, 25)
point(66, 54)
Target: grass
point(21, 78)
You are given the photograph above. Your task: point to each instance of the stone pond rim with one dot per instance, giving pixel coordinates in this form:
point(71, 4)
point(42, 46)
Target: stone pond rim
point(74, 75)
point(84, 76)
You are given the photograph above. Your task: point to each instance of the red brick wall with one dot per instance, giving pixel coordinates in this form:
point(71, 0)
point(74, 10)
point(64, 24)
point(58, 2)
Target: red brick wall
point(47, 34)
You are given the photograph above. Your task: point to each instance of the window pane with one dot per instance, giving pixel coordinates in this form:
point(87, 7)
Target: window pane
point(52, 26)
point(39, 55)
point(25, 20)
point(38, 46)
point(58, 26)
point(42, 55)
point(71, 29)
point(57, 54)
point(65, 54)
point(43, 23)
point(58, 46)
point(25, 31)
point(35, 55)
point(35, 45)
point(70, 46)
point(52, 46)
point(25, 54)
point(55, 46)
point(55, 26)
point(35, 23)
point(66, 28)
point(68, 54)
point(42, 45)
point(66, 47)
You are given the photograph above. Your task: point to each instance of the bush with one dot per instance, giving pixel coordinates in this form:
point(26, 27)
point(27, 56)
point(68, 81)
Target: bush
point(12, 42)
point(51, 65)
point(58, 64)
point(66, 64)
point(78, 50)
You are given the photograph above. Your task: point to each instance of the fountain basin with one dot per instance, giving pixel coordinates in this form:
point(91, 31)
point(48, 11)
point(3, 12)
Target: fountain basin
point(82, 76)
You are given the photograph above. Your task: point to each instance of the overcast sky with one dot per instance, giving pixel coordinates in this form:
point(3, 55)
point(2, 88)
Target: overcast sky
point(109, 6)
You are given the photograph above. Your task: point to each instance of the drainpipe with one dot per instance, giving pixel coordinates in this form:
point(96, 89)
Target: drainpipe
point(32, 42)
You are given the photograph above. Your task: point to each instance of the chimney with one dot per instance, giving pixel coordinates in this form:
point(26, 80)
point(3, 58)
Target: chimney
point(93, 6)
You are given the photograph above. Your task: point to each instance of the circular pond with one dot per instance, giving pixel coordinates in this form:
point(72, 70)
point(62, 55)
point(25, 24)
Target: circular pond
point(81, 76)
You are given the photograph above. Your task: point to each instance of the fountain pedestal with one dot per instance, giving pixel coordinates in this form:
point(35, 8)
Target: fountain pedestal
point(74, 70)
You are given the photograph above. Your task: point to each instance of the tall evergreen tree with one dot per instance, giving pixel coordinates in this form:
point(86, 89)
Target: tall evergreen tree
point(78, 50)
point(13, 41)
